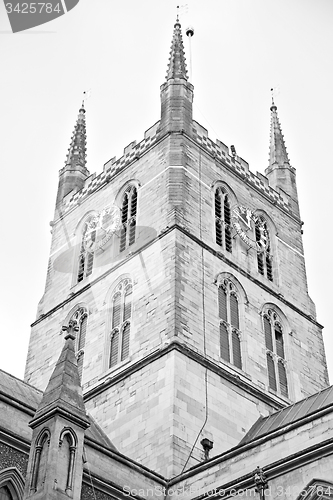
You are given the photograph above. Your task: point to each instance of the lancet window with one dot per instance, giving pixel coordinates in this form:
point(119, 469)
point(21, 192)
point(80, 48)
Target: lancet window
point(121, 312)
point(264, 255)
point(128, 217)
point(223, 219)
point(66, 457)
point(40, 461)
point(11, 484)
point(275, 356)
point(230, 335)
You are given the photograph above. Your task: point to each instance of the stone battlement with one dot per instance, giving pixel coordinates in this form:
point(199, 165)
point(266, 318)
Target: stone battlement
point(200, 135)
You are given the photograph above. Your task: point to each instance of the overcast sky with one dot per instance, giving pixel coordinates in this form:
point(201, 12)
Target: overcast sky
point(119, 50)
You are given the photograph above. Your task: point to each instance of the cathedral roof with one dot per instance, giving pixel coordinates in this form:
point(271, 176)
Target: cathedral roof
point(177, 61)
point(290, 415)
point(28, 398)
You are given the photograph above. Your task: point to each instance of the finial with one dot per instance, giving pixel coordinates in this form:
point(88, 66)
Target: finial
point(177, 19)
point(82, 109)
point(71, 329)
point(273, 107)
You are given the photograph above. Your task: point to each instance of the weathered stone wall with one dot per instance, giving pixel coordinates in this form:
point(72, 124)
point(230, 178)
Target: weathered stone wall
point(291, 460)
point(173, 270)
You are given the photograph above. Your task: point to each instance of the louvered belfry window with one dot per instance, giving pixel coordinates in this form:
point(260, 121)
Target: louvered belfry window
point(264, 258)
point(81, 319)
point(276, 365)
point(228, 309)
point(128, 217)
point(86, 256)
point(223, 219)
point(121, 312)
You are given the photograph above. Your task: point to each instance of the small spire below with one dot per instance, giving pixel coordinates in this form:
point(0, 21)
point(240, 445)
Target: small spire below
point(277, 151)
point(64, 391)
point(177, 61)
point(77, 151)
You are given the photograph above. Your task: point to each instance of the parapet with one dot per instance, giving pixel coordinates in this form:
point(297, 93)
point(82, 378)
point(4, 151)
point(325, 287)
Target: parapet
point(219, 151)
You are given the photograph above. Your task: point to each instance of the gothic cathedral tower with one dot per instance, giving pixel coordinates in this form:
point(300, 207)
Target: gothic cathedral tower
point(185, 273)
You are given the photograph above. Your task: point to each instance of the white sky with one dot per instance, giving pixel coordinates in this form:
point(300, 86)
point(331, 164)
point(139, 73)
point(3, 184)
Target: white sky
point(119, 50)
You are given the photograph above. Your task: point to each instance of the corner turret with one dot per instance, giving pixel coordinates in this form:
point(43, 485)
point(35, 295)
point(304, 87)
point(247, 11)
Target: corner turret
point(73, 175)
point(280, 173)
point(176, 92)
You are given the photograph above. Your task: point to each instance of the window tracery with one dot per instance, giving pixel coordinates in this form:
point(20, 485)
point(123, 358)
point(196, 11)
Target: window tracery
point(128, 217)
point(230, 335)
point(264, 255)
point(120, 323)
point(223, 219)
point(275, 355)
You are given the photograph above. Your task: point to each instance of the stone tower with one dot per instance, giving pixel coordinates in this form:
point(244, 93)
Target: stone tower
point(186, 275)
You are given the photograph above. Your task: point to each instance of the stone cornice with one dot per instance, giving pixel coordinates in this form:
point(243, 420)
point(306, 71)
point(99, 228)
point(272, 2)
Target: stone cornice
point(14, 441)
point(55, 411)
point(233, 378)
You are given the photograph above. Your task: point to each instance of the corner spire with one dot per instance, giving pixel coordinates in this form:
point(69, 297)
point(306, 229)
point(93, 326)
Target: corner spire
point(176, 91)
point(63, 392)
point(177, 61)
point(277, 151)
point(280, 173)
point(77, 150)
point(55, 466)
point(74, 174)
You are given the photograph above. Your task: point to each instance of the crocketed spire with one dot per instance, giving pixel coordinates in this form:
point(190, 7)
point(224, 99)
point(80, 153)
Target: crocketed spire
point(177, 62)
point(77, 151)
point(277, 150)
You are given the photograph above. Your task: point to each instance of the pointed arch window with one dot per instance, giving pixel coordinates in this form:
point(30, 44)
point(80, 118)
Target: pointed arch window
point(230, 335)
point(81, 319)
point(120, 323)
point(11, 484)
point(86, 255)
point(5, 493)
point(66, 455)
point(275, 356)
point(223, 219)
point(40, 460)
point(264, 256)
point(128, 217)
